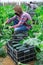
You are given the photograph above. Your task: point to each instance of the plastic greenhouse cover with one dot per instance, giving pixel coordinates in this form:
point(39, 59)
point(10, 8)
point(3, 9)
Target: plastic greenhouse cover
point(20, 0)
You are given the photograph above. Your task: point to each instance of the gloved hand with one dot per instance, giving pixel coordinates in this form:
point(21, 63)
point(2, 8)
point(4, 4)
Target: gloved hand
point(10, 27)
point(4, 24)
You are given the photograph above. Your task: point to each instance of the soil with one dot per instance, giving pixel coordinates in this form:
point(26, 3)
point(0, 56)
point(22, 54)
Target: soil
point(9, 61)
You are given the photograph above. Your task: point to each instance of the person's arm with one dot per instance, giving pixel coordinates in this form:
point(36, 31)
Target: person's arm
point(11, 19)
point(23, 19)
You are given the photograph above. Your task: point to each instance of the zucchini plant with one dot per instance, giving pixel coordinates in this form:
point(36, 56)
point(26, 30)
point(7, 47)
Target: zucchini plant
point(5, 33)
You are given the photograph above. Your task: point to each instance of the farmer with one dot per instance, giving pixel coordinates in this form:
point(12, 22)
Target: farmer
point(20, 20)
point(32, 5)
point(31, 9)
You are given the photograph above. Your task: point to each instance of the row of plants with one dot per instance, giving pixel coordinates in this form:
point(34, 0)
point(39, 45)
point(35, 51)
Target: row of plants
point(36, 35)
point(6, 12)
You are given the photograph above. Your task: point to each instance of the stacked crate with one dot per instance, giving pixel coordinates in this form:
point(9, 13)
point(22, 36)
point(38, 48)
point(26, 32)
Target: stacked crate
point(20, 53)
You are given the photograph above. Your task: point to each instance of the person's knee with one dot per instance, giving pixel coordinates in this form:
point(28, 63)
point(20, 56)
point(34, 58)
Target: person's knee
point(16, 29)
point(20, 29)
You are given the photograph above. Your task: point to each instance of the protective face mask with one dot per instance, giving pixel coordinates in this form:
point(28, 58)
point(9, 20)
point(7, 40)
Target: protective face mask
point(17, 14)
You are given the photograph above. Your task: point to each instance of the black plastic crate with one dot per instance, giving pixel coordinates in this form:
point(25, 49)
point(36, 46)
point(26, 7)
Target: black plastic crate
point(20, 53)
point(28, 60)
point(20, 35)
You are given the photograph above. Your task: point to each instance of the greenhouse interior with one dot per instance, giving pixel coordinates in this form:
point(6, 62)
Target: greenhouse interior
point(21, 32)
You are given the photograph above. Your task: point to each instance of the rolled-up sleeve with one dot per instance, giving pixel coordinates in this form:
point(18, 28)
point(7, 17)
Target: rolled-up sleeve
point(25, 17)
point(29, 17)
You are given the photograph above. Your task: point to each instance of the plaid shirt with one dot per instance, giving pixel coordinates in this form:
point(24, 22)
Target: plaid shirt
point(22, 19)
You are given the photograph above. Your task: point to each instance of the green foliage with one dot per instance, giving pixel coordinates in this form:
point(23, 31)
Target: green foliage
point(40, 36)
point(39, 58)
point(2, 53)
point(39, 10)
point(23, 7)
point(6, 12)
